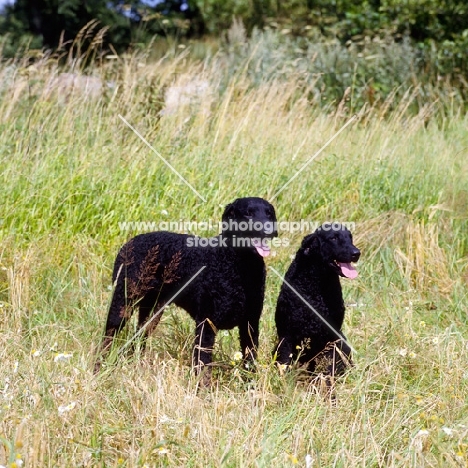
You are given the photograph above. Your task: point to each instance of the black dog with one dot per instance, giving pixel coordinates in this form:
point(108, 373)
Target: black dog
point(314, 275)
point(223, 279)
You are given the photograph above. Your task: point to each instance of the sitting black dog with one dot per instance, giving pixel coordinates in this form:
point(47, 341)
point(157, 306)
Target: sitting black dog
point(219, 281)
point(310, 308)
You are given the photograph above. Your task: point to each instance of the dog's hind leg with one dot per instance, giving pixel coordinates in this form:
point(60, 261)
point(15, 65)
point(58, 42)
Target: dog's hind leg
point(149, 314)
point(330, 363)
point(248, 335)
point(284, 351)
point(119, 313)
point(335, 358)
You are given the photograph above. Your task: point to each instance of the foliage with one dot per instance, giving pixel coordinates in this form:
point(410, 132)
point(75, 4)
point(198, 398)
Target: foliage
point(49, 24)
point(365, 72)
point(426, 22)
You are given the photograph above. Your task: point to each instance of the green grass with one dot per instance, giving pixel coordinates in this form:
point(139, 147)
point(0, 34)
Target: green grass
point(72, 170)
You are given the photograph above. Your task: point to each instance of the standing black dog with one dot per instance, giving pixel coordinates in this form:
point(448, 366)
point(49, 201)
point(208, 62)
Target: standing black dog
point(219, 281)
point(313, 288)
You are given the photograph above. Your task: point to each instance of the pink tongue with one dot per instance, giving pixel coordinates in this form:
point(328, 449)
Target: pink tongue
point(348, 270)
point(263, 250)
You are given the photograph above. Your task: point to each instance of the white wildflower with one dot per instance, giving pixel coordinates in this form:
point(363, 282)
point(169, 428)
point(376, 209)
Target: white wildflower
point(62, 357)
point(66, 408)
point(448, 431)
point(309, 460)
point(419, 440)
point(237, 356)
point(403, 352)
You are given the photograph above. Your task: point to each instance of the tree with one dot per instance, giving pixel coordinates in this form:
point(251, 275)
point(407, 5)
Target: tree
point(48, 23)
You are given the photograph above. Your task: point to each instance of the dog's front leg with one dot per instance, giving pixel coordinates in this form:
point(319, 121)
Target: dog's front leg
point(248, 335)
point(205, 334)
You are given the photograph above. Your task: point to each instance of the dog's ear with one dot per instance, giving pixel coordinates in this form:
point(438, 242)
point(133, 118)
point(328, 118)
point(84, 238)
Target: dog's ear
point(310, 244)
point(229, 211)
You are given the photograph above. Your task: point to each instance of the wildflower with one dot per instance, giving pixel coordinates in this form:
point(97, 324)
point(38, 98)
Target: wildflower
point(422, 324)
point(164, 212)
point(309, 460)
point(35, 353)
point(120, 461)
point(412, 354)
point(162, 450)
point(435, 340)
point(448, 431)
point(293, 459)
point(237, 356)
point(66, 408)
point(18, 463)
point(62, 357)
point(403, 352)
point(419, 400)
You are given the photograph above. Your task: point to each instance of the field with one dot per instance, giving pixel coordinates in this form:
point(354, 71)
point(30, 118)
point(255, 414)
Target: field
point(73, 172)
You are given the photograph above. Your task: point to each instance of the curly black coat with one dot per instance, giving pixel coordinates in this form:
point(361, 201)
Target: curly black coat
point(312, 286)
point(151, 269)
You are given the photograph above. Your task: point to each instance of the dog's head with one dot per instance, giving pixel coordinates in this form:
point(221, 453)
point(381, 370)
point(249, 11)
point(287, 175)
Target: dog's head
point(251, 221)
point(332, 243)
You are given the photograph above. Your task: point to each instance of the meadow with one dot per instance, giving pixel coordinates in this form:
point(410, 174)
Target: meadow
point(72, 170)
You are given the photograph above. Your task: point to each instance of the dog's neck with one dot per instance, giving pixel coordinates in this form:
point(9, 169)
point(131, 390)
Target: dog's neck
point(238, 242)
point(326, 280)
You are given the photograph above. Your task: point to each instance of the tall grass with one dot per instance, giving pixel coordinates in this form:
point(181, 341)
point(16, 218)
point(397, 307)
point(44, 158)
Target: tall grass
point(72, 170)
